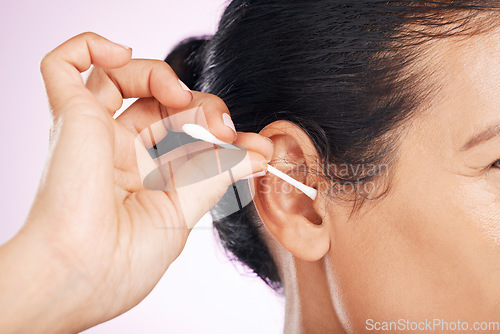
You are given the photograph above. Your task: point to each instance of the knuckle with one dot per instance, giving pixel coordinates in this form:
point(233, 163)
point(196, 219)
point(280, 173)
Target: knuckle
point(90, 38)
point(45, 62)
point(158, 69)
point(88, 35)
point(163, 67)
point(215, 103)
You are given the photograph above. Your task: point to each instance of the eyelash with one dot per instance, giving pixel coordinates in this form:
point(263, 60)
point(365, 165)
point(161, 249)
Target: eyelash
point(496, 164)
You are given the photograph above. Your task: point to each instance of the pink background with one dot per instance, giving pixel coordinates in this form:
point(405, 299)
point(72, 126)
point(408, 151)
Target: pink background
point(202, 292)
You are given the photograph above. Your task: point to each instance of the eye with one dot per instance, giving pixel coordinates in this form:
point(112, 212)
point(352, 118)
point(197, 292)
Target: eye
point(496, 164)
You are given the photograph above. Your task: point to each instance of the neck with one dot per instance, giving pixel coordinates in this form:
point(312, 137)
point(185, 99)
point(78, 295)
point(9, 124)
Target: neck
point(309, 304)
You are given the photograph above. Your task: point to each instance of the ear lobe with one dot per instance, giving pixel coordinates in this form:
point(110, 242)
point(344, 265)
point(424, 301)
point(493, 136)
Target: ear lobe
point(289, 215)
point(291, 218)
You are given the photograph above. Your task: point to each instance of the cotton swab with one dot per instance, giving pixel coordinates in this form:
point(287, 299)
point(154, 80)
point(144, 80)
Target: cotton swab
point(198, 132)
point(310, 192)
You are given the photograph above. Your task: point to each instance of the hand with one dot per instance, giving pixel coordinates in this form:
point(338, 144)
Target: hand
point(96, 241)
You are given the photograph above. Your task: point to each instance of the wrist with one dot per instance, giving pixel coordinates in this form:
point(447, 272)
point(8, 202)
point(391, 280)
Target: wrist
point(38, 292)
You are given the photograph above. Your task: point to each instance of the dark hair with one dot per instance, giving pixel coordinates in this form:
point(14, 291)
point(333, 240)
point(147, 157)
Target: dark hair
point(344, 71)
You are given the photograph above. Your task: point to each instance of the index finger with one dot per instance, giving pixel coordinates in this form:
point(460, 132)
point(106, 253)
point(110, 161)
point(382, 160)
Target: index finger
point(140, 78)
point(61, 68)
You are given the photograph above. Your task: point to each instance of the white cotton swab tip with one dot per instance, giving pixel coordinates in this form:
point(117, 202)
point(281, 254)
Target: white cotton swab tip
point(198, 132)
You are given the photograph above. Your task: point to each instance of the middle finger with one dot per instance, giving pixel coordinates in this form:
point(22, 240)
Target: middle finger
point(140, 78)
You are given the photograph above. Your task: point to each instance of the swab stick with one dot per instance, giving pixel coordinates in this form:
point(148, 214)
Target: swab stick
point(198, 132)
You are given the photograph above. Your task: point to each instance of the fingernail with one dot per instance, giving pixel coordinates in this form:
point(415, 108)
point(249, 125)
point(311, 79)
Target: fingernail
point(255, 175)
point(124, 46)
point(183, 85)
point(228, 122)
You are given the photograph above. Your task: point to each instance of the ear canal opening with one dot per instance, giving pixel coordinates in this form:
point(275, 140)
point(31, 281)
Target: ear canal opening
point(309, 191)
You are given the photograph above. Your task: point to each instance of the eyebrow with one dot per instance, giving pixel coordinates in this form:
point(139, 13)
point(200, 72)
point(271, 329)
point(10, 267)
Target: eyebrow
point(486, 135)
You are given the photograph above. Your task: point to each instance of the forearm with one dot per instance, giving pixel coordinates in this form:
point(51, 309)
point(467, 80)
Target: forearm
point(37, 294)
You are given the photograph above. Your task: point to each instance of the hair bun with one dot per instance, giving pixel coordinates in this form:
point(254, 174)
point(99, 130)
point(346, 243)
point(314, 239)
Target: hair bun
point(186, 59)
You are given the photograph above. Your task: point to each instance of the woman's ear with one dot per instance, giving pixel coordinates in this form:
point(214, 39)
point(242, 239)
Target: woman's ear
point(290, 216)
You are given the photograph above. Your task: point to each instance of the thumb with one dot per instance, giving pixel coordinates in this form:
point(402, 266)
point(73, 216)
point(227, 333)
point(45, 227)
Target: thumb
point(195, 188)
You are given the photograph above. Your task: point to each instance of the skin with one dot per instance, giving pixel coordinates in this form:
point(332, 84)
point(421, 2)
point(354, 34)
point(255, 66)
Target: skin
point(429, 249)
point(96, 241)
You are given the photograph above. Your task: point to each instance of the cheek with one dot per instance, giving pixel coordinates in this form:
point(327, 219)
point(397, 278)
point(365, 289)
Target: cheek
point(480, 203)
point(430, 237)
